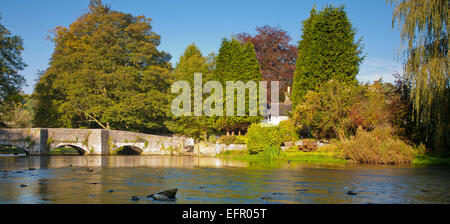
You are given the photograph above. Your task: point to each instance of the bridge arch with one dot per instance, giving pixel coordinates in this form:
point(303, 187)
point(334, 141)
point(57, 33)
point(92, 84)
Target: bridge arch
point(80, 149)
point(128, 150)
point(16, 145)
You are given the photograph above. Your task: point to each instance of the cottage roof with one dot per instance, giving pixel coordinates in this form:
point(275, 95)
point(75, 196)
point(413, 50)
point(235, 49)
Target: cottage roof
point(283, 108)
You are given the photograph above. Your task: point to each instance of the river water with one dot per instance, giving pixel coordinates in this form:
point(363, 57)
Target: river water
point(88, 179)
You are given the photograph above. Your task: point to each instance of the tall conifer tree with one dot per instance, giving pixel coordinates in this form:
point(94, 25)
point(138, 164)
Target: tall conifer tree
point(236, 62)
point(191, 62)
point(327, 51)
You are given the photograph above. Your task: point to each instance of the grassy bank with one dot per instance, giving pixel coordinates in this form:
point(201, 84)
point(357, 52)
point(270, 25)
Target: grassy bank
point(430, 161)
point(299, 157)
point(320, 158)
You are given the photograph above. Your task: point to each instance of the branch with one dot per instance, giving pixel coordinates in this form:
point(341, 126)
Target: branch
point(93, 118)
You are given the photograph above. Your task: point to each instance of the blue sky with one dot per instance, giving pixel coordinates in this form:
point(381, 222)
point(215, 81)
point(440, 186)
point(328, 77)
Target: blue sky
point(205, 23)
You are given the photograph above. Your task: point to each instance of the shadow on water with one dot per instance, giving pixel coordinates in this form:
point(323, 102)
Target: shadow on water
point(114, 179)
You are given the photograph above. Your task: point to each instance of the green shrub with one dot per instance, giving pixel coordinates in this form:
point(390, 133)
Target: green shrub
point(288, 131)
point(240, 139)
point(271, 152)
point(227, 139)
point(258, 138)
point(380, 146)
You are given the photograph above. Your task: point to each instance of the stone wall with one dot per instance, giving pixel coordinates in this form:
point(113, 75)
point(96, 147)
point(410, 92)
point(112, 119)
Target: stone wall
point(210, 149)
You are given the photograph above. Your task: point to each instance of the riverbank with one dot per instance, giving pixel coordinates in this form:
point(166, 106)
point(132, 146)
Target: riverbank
point(320, 158)
point(431, 161)
point(300, 157)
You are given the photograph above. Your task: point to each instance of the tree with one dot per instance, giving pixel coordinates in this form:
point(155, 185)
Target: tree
point(325, 110)
point(191, 62)
point(236, 62)
point(11, 62)
point(21, 114)
point(400, 108)
point(337, 109)
point(105, 72)
point(275, 55)
point(424, 33)
point(327, 51)
point(370, 108)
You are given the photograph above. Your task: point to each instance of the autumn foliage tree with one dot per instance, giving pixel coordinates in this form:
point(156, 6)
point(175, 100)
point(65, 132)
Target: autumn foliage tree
point(400, 109)
point(336, 109)
point(276, 56)
point(105, 72)
point(325, 110)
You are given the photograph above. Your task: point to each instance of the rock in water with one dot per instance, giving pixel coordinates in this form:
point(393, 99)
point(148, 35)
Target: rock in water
point(164, 195)
point(352, 193)
point(135, 198)
point(169, 193)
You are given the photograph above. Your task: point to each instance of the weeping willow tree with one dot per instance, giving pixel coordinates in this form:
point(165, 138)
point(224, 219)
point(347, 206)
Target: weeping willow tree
point(424, 26)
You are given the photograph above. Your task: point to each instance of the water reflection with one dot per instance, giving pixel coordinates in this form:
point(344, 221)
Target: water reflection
point(87, 179)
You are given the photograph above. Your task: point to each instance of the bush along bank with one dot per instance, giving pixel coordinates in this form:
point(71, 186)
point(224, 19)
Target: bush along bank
point(379, 146)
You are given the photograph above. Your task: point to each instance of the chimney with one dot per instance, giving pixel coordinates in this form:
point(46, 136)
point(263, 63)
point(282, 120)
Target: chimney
point(287, 96)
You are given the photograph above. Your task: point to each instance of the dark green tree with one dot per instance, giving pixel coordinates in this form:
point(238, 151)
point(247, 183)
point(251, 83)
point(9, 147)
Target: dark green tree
point(328, 50)
point(105, 72)
point(11, 62)
point(236, 62)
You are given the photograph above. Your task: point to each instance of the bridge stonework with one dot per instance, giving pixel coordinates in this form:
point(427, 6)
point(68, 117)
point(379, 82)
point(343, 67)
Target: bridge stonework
point(39, 141)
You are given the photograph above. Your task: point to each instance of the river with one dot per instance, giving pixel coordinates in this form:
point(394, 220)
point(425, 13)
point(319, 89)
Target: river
point(89, 179)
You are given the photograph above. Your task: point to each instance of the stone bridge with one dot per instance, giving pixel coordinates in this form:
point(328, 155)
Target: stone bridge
point(40, 141)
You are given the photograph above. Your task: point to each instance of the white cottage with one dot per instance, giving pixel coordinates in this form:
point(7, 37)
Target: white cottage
point(283, 111)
